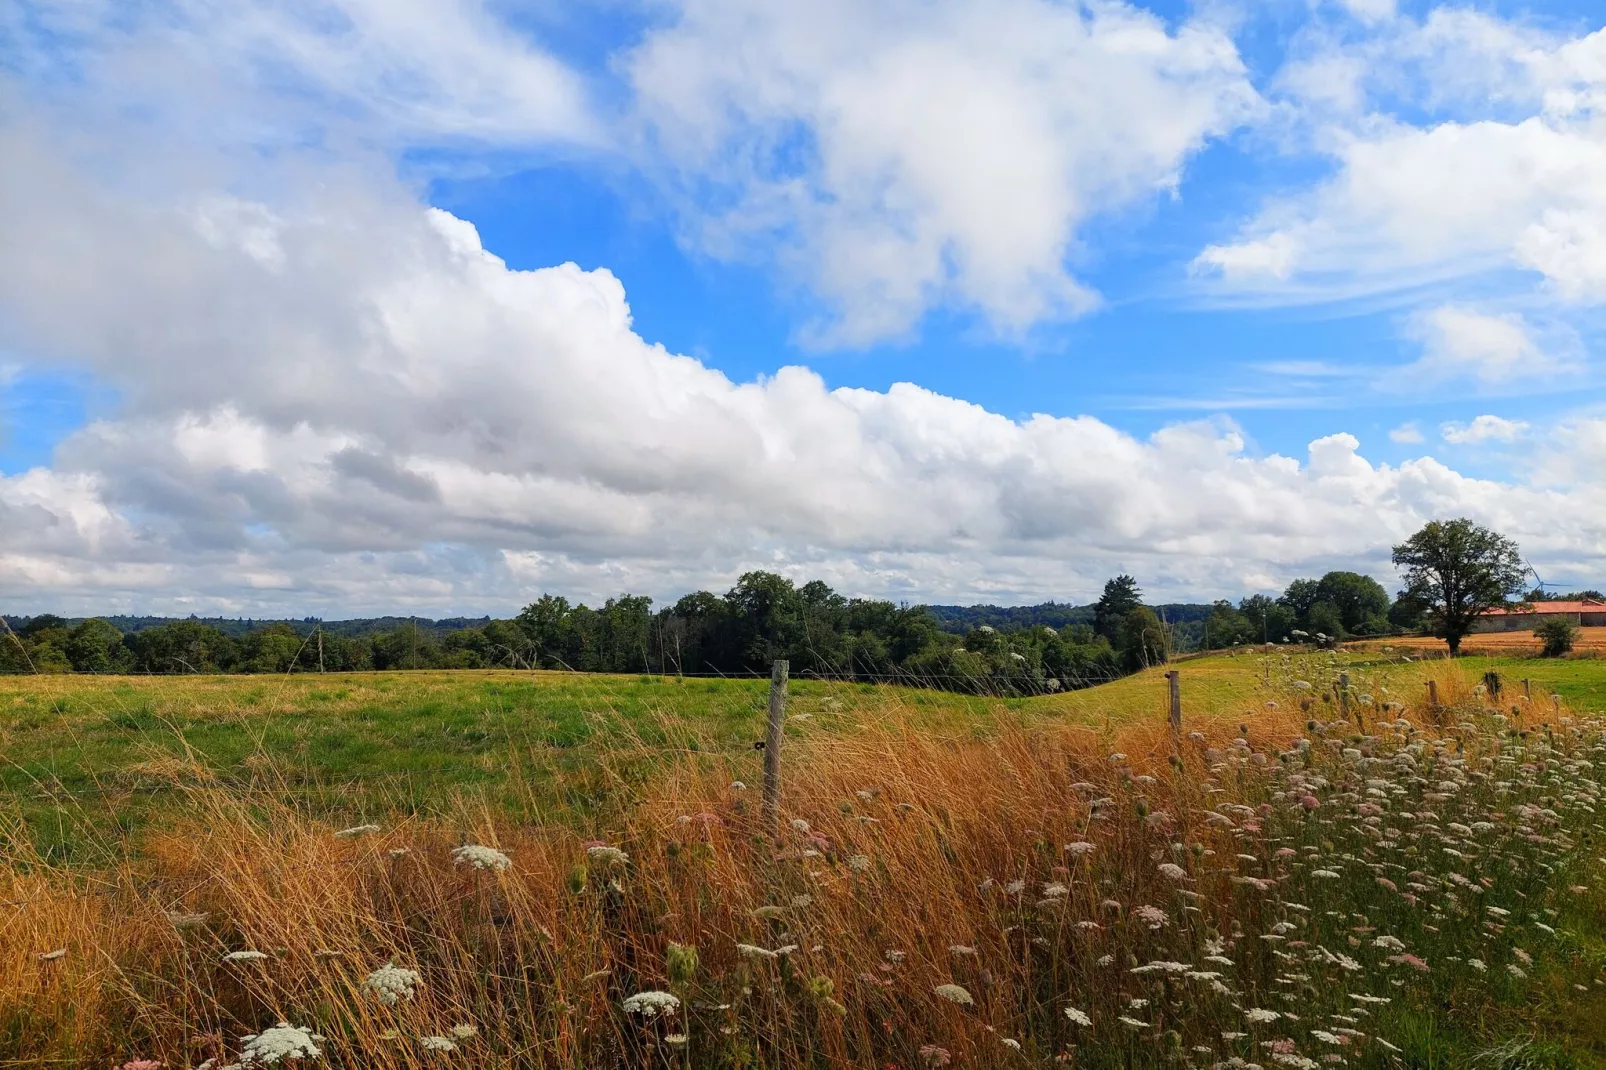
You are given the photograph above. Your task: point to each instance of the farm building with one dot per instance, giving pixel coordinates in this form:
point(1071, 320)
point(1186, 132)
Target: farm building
point(1526, 616)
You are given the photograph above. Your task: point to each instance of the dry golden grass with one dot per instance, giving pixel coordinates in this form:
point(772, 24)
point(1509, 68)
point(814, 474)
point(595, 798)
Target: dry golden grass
point(539, 958)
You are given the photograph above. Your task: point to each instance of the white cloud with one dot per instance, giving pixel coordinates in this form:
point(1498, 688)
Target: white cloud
point(406, 422)
point(1492, 350)
point(912, 153)
point(1406, 435)
point(1508, 174)
point(1483, 429)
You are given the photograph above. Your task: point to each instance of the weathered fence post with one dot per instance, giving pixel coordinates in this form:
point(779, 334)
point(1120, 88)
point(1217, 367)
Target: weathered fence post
point(772, 743)
point(1433, 700)
point(1527, 689)
point(1175, 679)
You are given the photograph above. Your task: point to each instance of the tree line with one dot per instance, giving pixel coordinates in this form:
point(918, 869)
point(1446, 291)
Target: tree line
point(1454, 572)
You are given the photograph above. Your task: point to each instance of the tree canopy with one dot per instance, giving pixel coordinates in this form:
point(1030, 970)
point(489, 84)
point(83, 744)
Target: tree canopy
point(1458, 571)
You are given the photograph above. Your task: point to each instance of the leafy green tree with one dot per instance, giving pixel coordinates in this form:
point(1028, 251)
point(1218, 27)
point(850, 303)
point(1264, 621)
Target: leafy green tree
point(1269, 620)
point(1143, 641)
point(183, 646)
point(273, 648)
point(1324, 621)
point(1121, 596)
point(1361, 601)
point(1299, 597)
point(1226, 627)
point(1460, 571)
point(96, 646)
point(1557, 636)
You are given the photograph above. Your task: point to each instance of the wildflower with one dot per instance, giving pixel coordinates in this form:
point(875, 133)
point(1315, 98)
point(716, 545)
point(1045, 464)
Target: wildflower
point(180, 919)
point(1080, 848)
point(1389, 943)
point(245, 956)
point(960, 949)
point(143, 1064)
point(1153, 917)
point(1010, 1043)
point(677, 1040)
point(800, 825)
point(1326, 874)
point(1079, 1017)
point(52, 956)
point(1309, 802)
point(1362, 997)
point(437, 1043)
point(1527, 959)
point(356, 830)
point(652, 1004)
point(1257, 1014)
point(1173, 871)
point(603, 855)
point(1515, 970)
point(464, 1031)
point(935, 1056)
point(753, 951)
point(859, 863)
point(480, 857)
point(955, 994)
point(1477, 964)
point(737, 785)
point(282, 1043)
point(1133, 1022)
point(392, 984)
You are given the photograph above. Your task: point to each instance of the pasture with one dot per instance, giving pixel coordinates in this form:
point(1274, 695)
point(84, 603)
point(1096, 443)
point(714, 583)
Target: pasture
point(499, 869)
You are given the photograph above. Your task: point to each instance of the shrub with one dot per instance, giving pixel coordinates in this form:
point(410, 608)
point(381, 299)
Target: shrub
point(1558, 636)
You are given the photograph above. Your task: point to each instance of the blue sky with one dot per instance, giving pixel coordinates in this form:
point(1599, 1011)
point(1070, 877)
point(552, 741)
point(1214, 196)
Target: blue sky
point(1065, 289)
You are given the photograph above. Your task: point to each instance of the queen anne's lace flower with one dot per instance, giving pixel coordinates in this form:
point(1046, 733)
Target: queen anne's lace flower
point(955, 994)
point(602, 854)
point(283, 1043)
point(480, 857)
point(437, 1043)
point(1079, 1017)
point(652, 1004)
point(392, 983)
point(245, 956)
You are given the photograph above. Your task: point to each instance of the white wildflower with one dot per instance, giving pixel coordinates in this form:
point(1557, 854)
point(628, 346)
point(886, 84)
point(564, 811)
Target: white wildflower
point(282, 1043)
point(465, 1030)
point(603, 855)
point(652, 1004)
point(481, 857)
point(356, 830)
point(1172, 871)
point(1258, 1014)
point(437, 1043)
point(753, 951)
point(955, 994)
point(392, 983)
point(245, 956)
point(1079, 1017)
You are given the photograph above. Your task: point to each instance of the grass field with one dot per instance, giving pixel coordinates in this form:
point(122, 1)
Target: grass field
point(1298, 876)
point(188, 860)
point(88, 761)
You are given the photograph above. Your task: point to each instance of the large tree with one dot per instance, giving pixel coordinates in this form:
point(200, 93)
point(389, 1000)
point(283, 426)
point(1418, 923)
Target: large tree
point(1460, 571)
point(1121, 596)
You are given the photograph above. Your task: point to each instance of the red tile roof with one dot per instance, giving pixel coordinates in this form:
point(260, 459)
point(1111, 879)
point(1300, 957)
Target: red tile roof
point(1588, 605)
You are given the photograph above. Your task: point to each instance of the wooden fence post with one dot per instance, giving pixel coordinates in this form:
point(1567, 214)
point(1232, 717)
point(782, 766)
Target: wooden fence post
point(1175, 679)
point(1433, 700)
point(1527, 689)
point(772, 743)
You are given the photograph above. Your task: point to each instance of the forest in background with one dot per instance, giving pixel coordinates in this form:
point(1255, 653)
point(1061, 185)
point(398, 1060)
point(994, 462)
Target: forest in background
point(1010, 650)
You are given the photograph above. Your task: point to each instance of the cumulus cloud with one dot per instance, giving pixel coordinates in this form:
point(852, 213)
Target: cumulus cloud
point(1483, 429)
point(908, 153)
point(1508, 173)
point(1406, 434)
point(406, 421)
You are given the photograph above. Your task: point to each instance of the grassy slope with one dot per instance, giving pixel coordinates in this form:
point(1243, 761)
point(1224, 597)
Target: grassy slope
point(91, 758)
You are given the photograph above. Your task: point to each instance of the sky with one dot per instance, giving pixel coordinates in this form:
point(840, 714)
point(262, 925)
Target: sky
point(338, 307)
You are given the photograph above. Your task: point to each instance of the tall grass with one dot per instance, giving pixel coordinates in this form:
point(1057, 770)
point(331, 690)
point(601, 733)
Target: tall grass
point(1328, 879)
